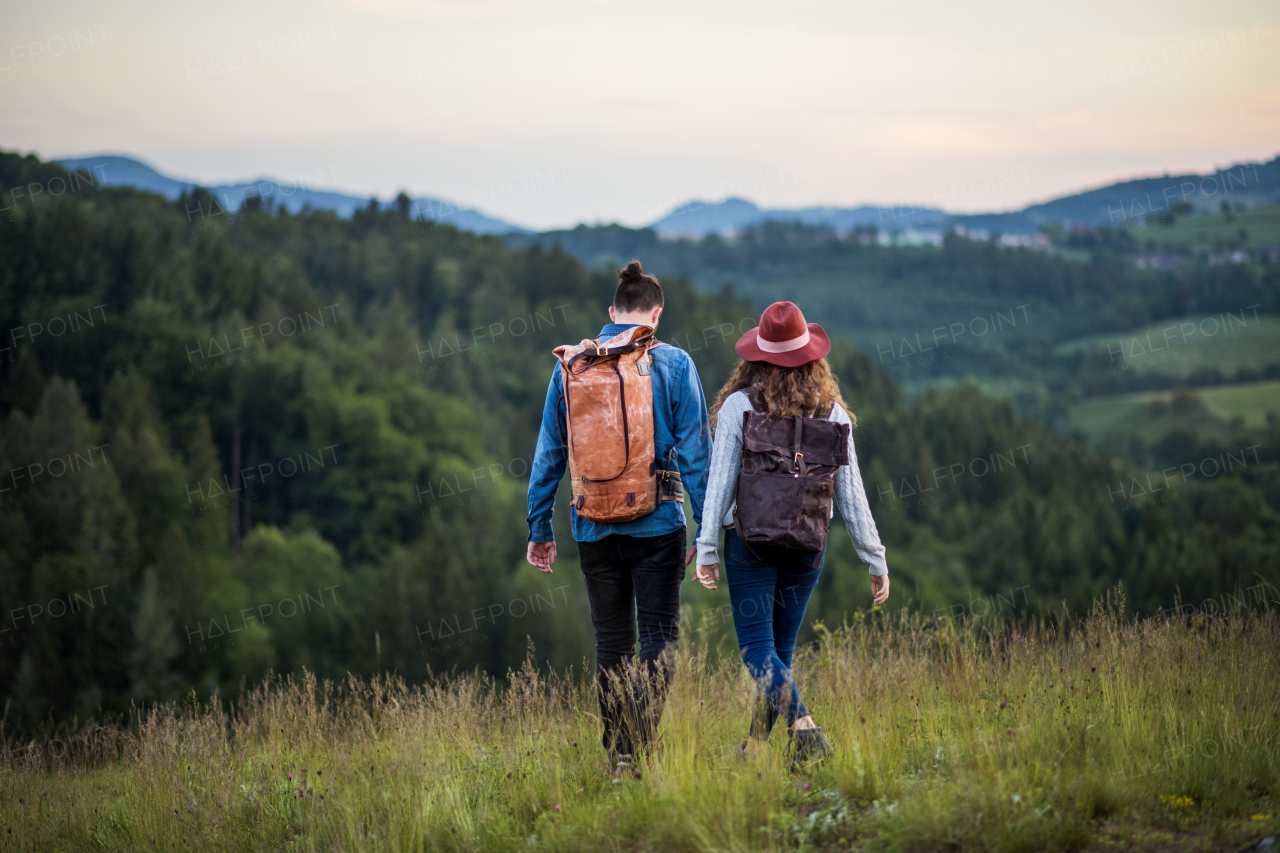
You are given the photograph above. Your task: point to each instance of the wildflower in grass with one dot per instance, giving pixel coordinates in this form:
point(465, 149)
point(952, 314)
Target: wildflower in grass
point(556, 807)
point(1174, 801)
point(1260, 817)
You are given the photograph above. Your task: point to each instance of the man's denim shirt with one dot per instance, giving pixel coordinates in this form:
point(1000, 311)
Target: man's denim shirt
point(679, 421)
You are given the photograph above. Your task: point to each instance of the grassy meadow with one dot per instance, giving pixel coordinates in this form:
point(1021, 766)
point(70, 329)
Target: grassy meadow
point(1182, 345)
point(1250, 401)
point(1205, 229)
point(1156, 412)
point(976, 734)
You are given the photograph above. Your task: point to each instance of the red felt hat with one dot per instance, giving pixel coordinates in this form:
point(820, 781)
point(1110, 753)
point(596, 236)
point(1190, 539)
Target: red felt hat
point(784, 338)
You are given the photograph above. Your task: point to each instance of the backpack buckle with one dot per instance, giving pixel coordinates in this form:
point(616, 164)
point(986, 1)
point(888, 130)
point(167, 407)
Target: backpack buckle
point(600, 351)
point(796, 461)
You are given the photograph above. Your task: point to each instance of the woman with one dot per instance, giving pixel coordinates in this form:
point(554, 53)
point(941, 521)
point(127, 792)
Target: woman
point(784, 371)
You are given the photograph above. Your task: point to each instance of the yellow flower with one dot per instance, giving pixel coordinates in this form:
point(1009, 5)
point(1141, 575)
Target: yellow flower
point(1261, 817)
point(1176, 802)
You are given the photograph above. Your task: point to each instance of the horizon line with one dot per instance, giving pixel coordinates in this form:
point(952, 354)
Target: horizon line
point(704, 202)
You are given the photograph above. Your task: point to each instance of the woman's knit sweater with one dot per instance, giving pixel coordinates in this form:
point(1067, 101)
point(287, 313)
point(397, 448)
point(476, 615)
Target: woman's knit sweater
point(722, 489)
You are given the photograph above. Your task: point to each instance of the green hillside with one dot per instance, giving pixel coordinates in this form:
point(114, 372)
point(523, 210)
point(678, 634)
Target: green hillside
point(1152, 413)
point(310, 436)
point(1246, 338)
point(1218, 230)
point(1253, 403)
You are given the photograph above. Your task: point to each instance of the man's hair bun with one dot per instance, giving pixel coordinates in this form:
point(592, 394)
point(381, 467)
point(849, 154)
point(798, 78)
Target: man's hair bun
point(636, 291)
point(633, 272)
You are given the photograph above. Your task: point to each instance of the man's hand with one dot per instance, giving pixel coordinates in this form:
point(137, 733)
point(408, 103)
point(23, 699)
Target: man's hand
point(707, 575)
point(879, 589)
point(688, 558)
point(541, 555)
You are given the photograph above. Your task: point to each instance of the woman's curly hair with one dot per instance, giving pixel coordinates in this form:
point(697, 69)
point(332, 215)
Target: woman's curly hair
point(810, 389)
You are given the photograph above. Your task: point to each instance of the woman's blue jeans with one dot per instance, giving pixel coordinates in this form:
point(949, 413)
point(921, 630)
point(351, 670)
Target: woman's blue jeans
point(769, 591)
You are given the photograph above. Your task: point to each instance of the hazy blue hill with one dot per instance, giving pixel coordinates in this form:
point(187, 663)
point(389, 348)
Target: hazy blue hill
point(1253, 184)
point(696, 218)
point(699, 218)
point(118, 170)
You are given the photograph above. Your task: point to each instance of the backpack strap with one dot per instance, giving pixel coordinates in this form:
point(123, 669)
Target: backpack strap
point(564, 398)
point(755, 396)
point(797, 458)
point(657, 466)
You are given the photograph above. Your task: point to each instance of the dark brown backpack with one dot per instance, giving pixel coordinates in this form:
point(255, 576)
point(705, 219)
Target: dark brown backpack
point(786, 484)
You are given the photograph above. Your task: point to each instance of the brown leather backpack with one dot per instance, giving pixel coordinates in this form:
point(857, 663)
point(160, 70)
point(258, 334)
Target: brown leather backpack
point(608, 398)
point(786, 483)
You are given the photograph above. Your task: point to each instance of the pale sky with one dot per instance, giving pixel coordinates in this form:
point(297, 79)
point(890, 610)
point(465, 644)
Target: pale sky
point(548, 113)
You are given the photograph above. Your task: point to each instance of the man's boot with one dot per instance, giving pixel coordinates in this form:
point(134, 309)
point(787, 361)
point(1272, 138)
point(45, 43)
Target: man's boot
point(763, 717)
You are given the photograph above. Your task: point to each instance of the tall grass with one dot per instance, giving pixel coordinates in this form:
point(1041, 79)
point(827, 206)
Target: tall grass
point(968, 736)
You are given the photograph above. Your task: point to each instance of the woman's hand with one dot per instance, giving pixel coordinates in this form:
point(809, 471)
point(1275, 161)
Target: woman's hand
point(707, 575)
point(879, 589)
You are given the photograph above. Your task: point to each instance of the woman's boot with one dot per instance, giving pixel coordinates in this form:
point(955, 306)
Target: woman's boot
point(809, 744)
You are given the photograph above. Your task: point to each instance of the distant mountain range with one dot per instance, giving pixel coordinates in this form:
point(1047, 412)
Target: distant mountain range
point(1128, 202)
point(115, 170)
point(1254, 184)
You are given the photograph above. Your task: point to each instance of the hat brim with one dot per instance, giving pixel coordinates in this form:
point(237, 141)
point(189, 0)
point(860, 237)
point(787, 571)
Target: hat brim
point(748, 347)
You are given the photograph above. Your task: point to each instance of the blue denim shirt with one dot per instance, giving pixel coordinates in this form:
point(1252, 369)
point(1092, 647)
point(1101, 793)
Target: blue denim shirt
point(679, 421)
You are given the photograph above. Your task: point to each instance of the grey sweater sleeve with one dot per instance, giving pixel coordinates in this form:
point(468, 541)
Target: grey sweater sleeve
point(851, 497)
point(722, 476)
point(722, 490)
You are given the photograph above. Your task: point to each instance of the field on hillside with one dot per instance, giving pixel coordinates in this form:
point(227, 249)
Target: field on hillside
point(977, 734)
point(1182, 345)
point(1134, 413)
point(1251, 401)
point(1203, 230)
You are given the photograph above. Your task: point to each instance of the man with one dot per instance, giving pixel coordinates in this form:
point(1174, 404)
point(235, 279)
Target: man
point(633, 569)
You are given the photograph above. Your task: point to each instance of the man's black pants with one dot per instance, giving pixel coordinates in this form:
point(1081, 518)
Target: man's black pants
point(633, 581)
